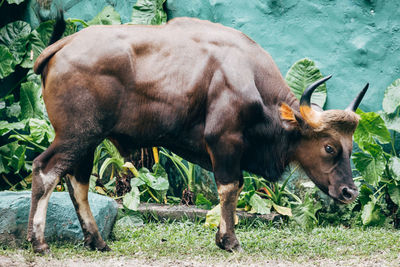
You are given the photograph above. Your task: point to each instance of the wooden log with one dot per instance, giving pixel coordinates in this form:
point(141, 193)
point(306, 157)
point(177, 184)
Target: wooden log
point(179, 212)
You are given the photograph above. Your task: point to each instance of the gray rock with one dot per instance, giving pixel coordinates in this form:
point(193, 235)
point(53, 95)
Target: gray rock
point(61, 221)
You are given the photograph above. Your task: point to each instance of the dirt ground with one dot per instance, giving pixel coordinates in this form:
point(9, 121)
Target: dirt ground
point(20, 261)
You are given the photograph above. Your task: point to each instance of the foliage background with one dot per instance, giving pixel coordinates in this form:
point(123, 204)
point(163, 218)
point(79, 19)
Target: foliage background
point(347, 49)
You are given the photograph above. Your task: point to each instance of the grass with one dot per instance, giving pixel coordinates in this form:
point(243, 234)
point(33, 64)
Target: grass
point(189, 241)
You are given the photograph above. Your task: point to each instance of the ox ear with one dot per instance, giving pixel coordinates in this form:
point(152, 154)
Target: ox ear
point(288, 117)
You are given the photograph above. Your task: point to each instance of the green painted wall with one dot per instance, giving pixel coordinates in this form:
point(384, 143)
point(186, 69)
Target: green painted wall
point(357, 41)
point(82, 9)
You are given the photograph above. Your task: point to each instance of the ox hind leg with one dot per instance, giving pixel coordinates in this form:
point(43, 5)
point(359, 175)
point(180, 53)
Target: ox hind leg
point(64, 156)
point(78, 186)
point(45, 176)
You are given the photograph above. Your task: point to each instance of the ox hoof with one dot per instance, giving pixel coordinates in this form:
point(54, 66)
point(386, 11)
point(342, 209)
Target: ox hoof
point(105, 248)
point(228, 242)
point(42, 249)
point(98, 245)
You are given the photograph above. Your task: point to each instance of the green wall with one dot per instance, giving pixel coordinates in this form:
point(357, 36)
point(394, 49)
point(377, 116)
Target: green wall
point(357, 41)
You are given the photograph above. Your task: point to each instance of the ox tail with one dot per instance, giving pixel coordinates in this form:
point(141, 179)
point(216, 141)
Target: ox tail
point(59, 28)
point(53, 45)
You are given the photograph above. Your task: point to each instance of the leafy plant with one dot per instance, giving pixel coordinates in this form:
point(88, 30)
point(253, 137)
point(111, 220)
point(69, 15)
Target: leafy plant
point(213, 217)
point(305, 213)
point(155, 184)
point(149, 12)
point(303, 73)
point(24, 126)
point(259, 195)
point(378, 163)
point(186, 170)
point(203, 202)
point(108, 16)
point(17, 2)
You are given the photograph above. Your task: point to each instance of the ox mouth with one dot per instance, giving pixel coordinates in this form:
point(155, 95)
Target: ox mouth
point(344, 201)
point(343, 194)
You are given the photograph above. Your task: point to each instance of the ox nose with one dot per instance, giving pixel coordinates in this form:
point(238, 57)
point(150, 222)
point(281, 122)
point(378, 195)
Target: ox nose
point(348, 194)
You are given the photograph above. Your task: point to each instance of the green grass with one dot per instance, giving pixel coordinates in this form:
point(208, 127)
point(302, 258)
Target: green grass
point(188, 241)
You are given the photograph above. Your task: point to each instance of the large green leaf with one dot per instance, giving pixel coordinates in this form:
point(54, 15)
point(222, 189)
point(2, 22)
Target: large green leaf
point(14, 110)
point(394, 193)
point(371, 127)
point(31, 105)
point(301, 75)
point(70, 28)
point(130, 221)
point(159, 183)
point(18, 158)
point(394, 168)
point(7, 62)
point(371, 214)
point(392, 121)
point(213, 217)
point(304, 213)
point(38, 40)
point(3, 168)
point(371, 165)
point(391, 100)
point(108, 16)
point(365, 193)
point(260, 205)
point(149, 12)
point(131, 200)
point(137, 182)
point(15, 36)
point(12, 157)
point(203, 202)
point(6, 127)
point(282, 210)
point(41, 130)
point(17, 2)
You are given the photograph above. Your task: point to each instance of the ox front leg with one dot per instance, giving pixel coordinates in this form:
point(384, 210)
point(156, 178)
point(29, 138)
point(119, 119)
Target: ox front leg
point(78, 187)
point(225, 153)
point(225, 237)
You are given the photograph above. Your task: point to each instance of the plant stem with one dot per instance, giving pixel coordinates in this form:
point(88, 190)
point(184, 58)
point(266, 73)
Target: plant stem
point(394, 136)
point(377, 191)
point(29, 141)
point(144, 191)
point(80, 21)
point(153, 196)
point(393, 147)
point(164, 152)
point(7, 181)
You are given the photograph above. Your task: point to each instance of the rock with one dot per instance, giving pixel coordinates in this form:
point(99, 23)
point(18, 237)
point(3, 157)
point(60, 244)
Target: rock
point(61, 221)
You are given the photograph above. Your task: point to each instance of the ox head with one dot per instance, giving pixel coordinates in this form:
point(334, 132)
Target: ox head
point(326, 142)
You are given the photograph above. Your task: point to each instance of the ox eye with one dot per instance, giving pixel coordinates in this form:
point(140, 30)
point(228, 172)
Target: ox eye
point(329, 149)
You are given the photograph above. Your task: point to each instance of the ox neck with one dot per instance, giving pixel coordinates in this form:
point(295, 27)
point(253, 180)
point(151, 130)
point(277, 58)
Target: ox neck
point(272, 147)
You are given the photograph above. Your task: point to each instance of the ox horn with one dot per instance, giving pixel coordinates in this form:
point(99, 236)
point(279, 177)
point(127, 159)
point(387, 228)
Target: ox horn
point(311, 116)
point(354, 104)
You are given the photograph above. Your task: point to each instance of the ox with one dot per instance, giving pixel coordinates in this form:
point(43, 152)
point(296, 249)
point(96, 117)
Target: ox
point(204, 91)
